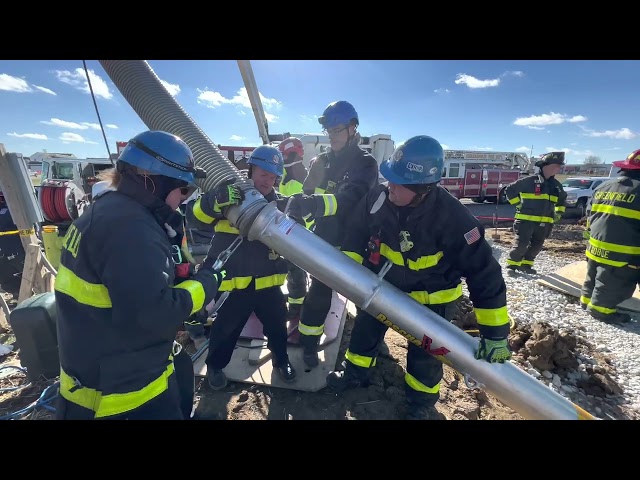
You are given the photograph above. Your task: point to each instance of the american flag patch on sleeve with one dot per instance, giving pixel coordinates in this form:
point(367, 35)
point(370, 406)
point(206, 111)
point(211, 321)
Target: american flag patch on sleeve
point(472, 235)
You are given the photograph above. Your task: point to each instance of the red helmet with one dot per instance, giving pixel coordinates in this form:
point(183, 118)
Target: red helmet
point(291, 145)
point(632, 162)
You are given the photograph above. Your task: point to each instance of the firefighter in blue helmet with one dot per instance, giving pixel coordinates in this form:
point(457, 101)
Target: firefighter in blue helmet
point(408, 224)
point(254, 272)
point(336, 181)
point(118, 307)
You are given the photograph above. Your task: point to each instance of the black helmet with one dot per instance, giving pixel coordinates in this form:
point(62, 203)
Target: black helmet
point(551, 158)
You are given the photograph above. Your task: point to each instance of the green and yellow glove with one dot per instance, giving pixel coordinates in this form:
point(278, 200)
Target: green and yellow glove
point(493, 351)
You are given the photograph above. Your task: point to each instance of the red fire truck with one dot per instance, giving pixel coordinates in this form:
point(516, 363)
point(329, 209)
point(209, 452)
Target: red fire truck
point(482, 175)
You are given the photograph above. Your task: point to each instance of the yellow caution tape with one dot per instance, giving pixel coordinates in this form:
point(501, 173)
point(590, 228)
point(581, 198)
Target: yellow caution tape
point(12, 232)
point(26, 233)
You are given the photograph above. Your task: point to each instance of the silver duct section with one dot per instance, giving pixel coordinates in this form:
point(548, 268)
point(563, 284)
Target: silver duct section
point(260, 221)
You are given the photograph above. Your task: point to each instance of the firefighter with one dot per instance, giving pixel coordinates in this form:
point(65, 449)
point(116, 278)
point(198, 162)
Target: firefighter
point(294, 174)
point(11, 251)
point(540, 202)
point(337, 180)
point(408, 224)
point(118, 310)
point(613, 253)
point(255, 273)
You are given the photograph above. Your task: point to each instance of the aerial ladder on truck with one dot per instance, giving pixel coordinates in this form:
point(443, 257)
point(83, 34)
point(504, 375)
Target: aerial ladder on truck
point(254, 98)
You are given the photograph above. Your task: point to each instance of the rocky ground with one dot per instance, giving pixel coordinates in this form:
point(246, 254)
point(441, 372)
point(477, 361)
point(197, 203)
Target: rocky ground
point(568, 357)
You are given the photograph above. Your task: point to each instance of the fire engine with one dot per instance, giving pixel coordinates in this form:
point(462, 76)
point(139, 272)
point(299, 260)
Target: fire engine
point(380, 146)
point(481, 175)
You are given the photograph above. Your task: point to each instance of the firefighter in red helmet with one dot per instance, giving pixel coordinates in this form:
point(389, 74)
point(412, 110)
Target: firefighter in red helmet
point(613, 253)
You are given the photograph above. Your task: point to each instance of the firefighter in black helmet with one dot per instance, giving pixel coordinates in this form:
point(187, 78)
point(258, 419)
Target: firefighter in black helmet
point(613, 254)
point(539, 201)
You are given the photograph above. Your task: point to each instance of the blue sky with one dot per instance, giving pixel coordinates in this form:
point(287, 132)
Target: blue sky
point(582, 107)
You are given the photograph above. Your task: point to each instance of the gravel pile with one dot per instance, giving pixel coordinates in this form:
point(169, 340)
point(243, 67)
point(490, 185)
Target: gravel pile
point(528, 301)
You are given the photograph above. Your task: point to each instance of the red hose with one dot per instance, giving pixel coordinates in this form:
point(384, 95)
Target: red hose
point(61, 204)
point(47, 192)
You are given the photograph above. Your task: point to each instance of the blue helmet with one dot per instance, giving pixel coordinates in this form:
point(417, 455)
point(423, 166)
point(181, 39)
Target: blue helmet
point(419, 160)
point(161, 153)
point(338, 113)
point(268, 158)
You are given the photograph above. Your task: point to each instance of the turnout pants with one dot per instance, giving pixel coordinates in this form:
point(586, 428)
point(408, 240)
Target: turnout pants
point(424, 371)
point(175, 403)
point(296, 284)
point(314, 313)
point(606, 286)
point(530, 237)
point(269, 306)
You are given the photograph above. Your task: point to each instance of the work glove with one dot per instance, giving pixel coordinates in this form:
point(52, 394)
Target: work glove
point(305, 206)
point(493, 351)
point(198, 318)
point(557, 217)
point(586, 234)
point(224, 195)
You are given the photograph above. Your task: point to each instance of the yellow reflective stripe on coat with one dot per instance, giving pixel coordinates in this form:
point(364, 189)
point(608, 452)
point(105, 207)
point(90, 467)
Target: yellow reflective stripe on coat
point(514, 201)
point(614, 247)
point(618, 211)
point(114, 403)
point(605, 310)
point(92, 294)
point(421, 263)
point(360, 360)
point(542, 196)
point(223, 226)
point(560, 209)
point(354, 256)
point(534, 218)
point(330, 204)
point(435, 298)
point(240, 283)
point(274, 280)
point(200, 215)
point(604, 261)
point(319, 190)
point(492, 317)
point(419, 386)
point(196, 291)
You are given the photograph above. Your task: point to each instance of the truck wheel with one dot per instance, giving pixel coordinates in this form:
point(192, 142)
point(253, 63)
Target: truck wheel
point(581, 206)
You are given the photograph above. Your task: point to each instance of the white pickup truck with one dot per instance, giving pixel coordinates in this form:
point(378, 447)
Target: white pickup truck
point(580, 190)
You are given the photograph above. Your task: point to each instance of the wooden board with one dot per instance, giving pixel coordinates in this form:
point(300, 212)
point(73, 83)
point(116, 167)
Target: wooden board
point(252, 365)
point(569, 280)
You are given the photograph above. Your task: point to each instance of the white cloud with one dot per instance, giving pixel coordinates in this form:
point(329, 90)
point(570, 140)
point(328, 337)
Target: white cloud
point(34, 136)
point(212, 99)
point(444, 147)
point(309, 118)
point(570, 151)
point(78, 79)
point(442, 90)
point(480, 148)
point(172, 88)
point(537, 122)
point(573, 144)
point(111, 125)
point(623, 133)
point(76, 126)
point(46, 90)
point(235, 138)
point(473, 82)
point(514, 73)
point(67, 137)
point(13, 84)
point(523, 149)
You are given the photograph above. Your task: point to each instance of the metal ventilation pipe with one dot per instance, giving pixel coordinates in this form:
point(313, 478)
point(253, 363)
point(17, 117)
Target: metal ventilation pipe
point(258, 220)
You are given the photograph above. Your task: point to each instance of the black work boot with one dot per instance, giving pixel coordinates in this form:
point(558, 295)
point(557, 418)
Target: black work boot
point(284, 369)
point(217, 379)
point(527, 269)
point(340, 381)
point(424, 413)
point(613, 318)
point(310, 350)
point(293, 311)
